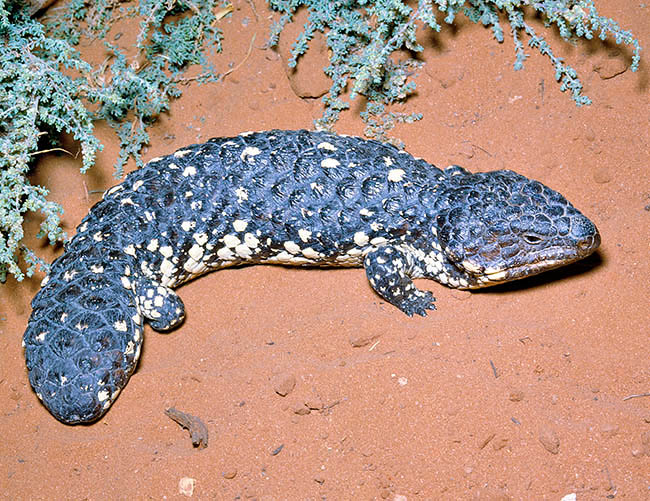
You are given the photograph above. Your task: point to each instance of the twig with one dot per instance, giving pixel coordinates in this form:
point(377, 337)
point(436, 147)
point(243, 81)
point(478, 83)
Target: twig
point(51, 150)
point(198, 430)
point(636, 396)
point(250, 49)
point(494, 369)
point(250, 2)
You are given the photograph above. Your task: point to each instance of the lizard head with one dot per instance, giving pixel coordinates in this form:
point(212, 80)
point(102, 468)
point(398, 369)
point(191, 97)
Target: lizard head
point(500, 226)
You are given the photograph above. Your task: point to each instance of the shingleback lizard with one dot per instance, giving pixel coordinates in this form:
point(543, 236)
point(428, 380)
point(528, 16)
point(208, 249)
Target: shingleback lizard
point(288, 197)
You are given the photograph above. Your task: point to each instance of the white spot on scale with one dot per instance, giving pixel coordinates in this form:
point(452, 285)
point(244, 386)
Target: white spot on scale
point(189, 171)
point(41, 337)
point(153, 245)
point(130, 250)
point(396, 175)
point(194, 267)
point(311, 254)
point(166, 267)
point(242, 194)
point(239, 225)
point(120, 325)
point(243, 251)
point(292, 247)
point(360, 238)
point(102, 395)
point(188, 225)
point(130, 347)
point(375, 226)
point(249, 151)
point(304, 234)
point(110, 192)
point(318, 188)
point(388, 161)
point(366, 212)
point(69, 275)
point(97, 237)
point(181, 154)
point(126, 283)
point(231, 240)
point(158, 301)
point(196, 252)
point(326, 146)
point(349, 259)
point(201, 238)
point(250, 240)
point(329, 163)
point(97, 268)
point(45, 280)
point(225, 253)
point(281, 257)
point(495, 277)
point(378, 241)
point(167, 251)
point(126, 201)
point(137, 184)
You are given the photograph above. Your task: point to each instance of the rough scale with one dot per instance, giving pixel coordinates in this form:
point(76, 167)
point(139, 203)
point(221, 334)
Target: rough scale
point(289, 197)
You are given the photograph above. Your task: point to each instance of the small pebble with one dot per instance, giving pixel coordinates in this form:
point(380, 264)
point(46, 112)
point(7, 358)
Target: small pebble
point(608, 430)
point(360, 340)
point(284, 384)
point(549, 440)
point(186, 486)
point(602, 175)
point(230, 473)
point(301, 409)
point(516, 396)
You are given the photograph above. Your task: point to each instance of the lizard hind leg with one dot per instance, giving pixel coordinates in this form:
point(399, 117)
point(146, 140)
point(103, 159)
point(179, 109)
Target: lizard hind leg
point(387, 269)
point(160, 305)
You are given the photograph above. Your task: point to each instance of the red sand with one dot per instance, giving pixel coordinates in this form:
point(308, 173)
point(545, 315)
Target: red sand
point(512, 393)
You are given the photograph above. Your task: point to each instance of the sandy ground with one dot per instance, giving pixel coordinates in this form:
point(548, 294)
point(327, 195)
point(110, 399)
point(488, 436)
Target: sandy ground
point(513, 393)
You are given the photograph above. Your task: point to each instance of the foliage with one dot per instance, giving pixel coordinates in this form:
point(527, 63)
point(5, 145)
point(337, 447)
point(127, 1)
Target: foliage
point(47, 88)
point(364, 35)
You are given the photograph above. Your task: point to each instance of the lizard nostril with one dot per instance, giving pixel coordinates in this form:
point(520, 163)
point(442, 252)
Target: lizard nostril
point(590, 243)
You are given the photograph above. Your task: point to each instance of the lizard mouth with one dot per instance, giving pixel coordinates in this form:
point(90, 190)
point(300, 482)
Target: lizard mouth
point(545, 260)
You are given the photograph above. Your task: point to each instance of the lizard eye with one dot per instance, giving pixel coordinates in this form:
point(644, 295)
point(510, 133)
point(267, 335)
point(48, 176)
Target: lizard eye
point(531, 239)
